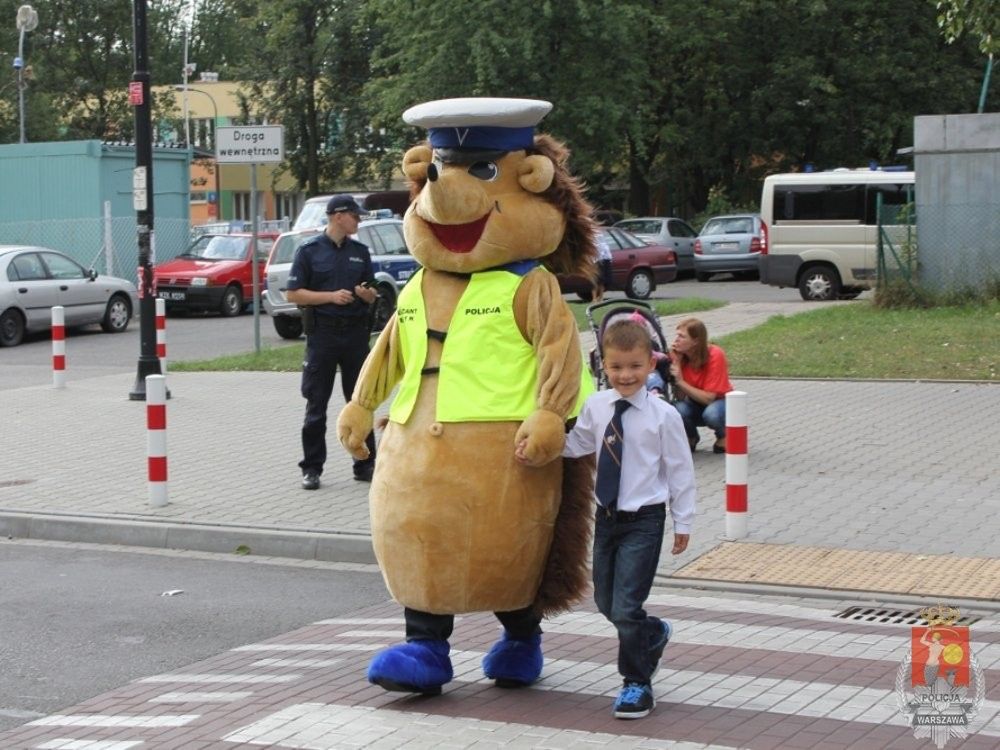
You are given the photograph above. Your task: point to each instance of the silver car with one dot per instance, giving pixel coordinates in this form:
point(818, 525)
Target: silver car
point(675, 234)
point(729, 244)
point(33, 280)
point(391, 262)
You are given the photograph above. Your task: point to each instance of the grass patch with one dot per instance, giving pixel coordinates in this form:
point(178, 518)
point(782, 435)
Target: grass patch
point(288, 358)
point(861, 341)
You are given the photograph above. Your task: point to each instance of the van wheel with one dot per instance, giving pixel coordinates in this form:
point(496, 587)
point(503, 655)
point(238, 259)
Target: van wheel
point(819, 283)
point(585, 296)
point(702, 275)
point(287, 326)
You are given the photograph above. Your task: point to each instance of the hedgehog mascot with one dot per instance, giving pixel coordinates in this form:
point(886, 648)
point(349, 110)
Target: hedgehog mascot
point(486, 356)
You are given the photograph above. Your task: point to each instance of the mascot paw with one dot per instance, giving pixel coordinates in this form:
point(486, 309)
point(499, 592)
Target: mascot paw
point(353, 426)
point(543, 435)
point(414, 667)
point(514, 662)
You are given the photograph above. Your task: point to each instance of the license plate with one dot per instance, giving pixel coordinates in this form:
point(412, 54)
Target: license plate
point(727, 245)
point(172, 295)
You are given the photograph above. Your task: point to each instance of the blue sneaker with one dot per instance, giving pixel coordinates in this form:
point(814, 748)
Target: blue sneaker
point(656, 650)
point(634, 701)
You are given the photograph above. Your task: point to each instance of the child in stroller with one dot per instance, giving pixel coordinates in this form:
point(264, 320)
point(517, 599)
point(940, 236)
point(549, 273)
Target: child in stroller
point(660, 381)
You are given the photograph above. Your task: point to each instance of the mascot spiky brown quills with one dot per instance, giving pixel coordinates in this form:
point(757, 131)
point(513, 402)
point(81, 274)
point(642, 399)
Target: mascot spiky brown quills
point(486, 355)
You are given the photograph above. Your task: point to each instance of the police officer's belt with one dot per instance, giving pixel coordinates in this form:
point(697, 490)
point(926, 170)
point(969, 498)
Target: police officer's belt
point(339, 323)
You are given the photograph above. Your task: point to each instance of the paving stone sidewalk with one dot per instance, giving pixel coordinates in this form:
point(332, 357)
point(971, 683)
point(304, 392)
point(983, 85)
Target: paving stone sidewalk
point(857, 465)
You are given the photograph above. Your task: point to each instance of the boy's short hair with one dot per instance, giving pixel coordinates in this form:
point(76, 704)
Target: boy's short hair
point(625, 335)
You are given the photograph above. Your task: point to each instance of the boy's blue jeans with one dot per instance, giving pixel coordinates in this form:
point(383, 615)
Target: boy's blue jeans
point(626, 553)
point(694, 414)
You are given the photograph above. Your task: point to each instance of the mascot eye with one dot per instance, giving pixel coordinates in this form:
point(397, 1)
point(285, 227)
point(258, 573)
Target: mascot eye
point(484, 170)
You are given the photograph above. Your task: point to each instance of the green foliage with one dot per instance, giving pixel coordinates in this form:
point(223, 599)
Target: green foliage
point(978, 18)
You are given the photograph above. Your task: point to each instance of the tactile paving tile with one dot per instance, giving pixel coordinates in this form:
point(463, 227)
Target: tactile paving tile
point(849, 570)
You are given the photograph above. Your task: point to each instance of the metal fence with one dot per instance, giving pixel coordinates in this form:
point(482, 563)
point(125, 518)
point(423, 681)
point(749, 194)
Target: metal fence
point(110, 245)
point(942, 248)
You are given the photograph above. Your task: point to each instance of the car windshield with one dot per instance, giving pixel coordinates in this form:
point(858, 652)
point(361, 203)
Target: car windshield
point(313, 215)
point(730, 225)
point(640, 227)
point(218, 247)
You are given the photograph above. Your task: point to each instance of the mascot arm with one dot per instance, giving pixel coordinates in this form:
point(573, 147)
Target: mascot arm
point(379, 374)
point(546, 322)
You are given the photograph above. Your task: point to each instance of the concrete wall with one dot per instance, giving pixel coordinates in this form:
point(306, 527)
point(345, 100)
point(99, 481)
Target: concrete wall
point(957, 162)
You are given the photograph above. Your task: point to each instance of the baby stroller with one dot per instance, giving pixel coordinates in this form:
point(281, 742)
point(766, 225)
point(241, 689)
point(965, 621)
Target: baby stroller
point(639, 312)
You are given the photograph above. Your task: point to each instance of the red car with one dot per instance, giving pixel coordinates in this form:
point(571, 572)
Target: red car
point(636, 268)
point(214, 273)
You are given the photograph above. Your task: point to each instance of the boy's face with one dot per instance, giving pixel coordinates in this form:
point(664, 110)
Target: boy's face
point(627, 370)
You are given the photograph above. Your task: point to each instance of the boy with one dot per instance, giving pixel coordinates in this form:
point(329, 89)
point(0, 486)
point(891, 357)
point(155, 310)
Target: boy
point(643, 464)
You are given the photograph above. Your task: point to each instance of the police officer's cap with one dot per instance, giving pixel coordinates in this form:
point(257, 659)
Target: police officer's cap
point(339, 204)
point(479, 124)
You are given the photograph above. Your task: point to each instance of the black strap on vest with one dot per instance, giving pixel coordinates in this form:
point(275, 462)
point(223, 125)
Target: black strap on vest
point(436, 335)
point(430, 371)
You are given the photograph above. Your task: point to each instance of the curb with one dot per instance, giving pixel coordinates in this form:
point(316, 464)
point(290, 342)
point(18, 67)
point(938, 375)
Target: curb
point(305, 545)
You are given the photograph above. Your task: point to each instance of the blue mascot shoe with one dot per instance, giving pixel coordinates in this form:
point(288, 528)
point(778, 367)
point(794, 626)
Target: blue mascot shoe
point(414, 667)
point(514, 662)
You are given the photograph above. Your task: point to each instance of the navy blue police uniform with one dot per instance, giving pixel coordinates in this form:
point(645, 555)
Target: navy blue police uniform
point(339, 339)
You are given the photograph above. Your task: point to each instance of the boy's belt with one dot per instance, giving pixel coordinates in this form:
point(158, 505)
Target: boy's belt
point(339, 323)
point(625, 516)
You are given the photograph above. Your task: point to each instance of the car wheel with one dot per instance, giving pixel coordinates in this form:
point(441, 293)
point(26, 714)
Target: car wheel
point(232, 302)
point(819, 283)
point(287, 326)
point(117, 315)
point(11, 328)
point(384, 306)
point(702, 275)
point(849, 293)
point(640, 285)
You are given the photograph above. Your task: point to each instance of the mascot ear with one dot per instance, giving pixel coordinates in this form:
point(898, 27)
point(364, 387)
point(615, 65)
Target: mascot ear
point(536, 173)
point(415, 163)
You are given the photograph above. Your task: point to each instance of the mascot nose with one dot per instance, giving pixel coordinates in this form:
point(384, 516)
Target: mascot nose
point(432, 172)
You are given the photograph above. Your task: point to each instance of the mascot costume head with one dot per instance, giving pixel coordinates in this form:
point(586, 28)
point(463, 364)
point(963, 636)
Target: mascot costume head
point(472, 507)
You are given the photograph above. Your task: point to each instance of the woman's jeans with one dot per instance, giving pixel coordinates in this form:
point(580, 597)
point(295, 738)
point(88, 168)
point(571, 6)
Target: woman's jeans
point(626, 554)
point(694, 414)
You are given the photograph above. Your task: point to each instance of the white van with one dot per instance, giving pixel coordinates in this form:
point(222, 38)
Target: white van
point(822, 229)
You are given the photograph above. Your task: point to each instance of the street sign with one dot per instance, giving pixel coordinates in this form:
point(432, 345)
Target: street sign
point(140, 198)
point(249, 144)
point(135, 93)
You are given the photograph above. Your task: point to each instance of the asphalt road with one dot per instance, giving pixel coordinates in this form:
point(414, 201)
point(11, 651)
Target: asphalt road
point(91, 353)
point(78, 620)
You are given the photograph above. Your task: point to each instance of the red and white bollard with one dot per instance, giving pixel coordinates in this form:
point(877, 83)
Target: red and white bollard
point(737, 465)
point(59, 346)
point(161, 334)
point(156, 444)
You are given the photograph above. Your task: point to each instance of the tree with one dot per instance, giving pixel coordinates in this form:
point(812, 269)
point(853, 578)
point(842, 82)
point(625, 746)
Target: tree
point(980, 18)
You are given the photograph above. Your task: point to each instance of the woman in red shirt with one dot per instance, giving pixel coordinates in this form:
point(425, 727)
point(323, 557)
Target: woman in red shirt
point(701, 376)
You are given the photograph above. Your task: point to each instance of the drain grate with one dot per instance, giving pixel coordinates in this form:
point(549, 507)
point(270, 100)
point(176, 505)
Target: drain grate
point(894, 616)
point(14, 482)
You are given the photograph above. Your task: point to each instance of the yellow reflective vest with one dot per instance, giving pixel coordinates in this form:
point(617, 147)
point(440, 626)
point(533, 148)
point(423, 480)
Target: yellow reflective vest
point(488, 372)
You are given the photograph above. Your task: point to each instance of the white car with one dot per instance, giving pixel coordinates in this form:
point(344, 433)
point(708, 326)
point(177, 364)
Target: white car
point(392, 265)
point(33, 280)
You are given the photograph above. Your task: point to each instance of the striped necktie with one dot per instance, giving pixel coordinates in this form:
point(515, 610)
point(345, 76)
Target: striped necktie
point(609, 461)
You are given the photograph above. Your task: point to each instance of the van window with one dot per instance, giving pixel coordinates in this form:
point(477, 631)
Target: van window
point(840, 203)
point(392, 237)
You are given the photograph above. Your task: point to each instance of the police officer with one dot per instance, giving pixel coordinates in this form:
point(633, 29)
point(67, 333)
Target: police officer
point(331, 277)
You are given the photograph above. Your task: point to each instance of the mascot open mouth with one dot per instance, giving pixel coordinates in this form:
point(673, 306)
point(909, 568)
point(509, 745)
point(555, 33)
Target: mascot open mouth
point(460, 238)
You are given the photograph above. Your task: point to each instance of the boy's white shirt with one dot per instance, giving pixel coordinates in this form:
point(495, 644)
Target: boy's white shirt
point(656, 459)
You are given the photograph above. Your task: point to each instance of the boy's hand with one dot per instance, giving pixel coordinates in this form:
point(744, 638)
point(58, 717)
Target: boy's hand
point(680, 543)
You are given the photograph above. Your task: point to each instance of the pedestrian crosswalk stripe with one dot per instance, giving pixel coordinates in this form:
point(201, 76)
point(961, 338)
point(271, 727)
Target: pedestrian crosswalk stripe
point(60, 744)
point(311, 647)
point(297, 663)
point(251, 679)
point(200, 697)
point(312, 725)
point(110, 720)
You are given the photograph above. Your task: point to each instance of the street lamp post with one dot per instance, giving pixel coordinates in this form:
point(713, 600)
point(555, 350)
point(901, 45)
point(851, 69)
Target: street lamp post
point(215, 112)
point(27, 20)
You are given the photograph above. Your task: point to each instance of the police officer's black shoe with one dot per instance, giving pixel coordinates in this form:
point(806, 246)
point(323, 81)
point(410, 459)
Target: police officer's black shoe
point(364, 475)
point(310, 481)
